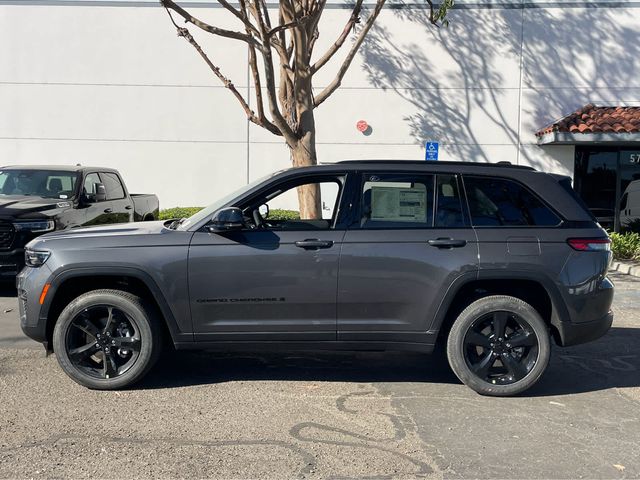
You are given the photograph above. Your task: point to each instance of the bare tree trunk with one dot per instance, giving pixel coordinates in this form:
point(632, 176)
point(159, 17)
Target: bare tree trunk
point(302, 155)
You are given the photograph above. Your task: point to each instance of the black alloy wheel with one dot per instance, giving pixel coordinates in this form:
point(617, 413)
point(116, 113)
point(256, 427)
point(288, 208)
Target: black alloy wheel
point(501, 348)
point(103, 341)
point(107, 339)
point(499, 345)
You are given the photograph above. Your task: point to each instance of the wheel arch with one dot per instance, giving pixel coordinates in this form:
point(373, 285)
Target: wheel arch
point(531, 287)
point(74, 282)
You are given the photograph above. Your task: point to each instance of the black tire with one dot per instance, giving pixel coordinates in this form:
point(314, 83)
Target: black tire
point(130, 338)
point(492, 364)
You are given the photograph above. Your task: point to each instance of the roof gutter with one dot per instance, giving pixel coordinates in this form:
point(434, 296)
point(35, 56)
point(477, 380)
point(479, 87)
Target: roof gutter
point(566, 138)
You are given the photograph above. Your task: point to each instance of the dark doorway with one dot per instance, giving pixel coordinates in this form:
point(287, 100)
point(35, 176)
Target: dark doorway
point(608, 180)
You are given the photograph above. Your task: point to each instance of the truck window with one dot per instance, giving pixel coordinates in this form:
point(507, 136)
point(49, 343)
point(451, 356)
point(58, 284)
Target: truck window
point(502, 202)
point(41, 183)
point(90, 183)
point(113, 186)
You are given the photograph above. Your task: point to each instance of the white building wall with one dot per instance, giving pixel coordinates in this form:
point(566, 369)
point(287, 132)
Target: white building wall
point(111, 84)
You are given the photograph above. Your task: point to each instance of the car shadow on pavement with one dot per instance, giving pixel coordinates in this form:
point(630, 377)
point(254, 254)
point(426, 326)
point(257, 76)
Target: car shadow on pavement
point(186, 368)
point(609, 362)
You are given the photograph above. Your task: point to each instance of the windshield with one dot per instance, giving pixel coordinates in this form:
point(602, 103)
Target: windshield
point(217, 205)
point(39, 183)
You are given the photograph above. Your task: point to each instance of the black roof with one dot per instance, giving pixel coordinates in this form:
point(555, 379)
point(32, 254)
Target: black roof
point(61, 168)
point(439, 162)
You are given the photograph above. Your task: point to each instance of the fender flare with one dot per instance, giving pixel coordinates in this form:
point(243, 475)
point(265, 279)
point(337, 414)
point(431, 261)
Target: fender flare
point(59, 278)
point(559, 313)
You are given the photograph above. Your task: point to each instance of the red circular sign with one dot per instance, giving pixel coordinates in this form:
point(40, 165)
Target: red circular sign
point(362, 125)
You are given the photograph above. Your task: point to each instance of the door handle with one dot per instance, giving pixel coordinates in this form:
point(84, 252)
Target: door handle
point(313, 244)
point(108, 210)
point(128, 207)
point(447, 243)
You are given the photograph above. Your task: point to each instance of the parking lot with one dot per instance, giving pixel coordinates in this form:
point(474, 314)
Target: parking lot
point(324, 415)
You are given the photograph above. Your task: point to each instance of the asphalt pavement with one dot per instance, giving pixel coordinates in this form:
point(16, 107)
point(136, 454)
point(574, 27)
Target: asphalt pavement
point(339, 415)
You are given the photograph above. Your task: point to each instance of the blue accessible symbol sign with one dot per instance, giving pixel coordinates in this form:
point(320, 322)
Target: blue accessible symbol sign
point(431, 150)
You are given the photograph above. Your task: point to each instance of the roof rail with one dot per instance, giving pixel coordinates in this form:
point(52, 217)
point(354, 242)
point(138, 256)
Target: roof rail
point(501, 164)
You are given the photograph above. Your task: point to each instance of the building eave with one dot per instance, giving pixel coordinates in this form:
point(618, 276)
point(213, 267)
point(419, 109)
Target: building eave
point(565, 138)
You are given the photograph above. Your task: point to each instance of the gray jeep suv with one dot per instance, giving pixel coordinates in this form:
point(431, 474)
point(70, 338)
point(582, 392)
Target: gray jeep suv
point(490, 261)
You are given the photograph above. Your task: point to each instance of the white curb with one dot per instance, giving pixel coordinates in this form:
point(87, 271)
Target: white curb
point(626, 268)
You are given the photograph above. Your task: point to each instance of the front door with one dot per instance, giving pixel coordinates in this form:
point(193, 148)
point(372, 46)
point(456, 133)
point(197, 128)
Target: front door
point(410, 242)
point(274, 280)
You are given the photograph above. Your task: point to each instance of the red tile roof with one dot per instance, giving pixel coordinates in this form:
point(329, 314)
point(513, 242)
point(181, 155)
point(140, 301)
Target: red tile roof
point(592, 119)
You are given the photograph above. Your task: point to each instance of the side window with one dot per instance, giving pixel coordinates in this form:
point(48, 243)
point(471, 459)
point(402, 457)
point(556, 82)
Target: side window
point(448, 202)
point(89, 183)
point(501, 202)
point(282, 208)
point(397, 201)
point(112, 185)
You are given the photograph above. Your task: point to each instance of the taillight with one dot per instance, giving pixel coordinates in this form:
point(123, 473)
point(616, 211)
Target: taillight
point(590, 244)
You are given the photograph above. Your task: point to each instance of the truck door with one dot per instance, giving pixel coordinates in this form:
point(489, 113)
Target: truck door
point(93, 211)
point(120, 205)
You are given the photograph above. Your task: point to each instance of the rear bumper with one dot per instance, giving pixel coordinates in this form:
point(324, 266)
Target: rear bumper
point(576, 333)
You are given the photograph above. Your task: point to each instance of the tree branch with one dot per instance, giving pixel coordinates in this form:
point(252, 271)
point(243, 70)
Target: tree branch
point(351, 23)
point(278, 119)
point(183, 32)
point(332, 87)
point(285, 26)
point(170, 4)
point(239, 15)
point(255, 73)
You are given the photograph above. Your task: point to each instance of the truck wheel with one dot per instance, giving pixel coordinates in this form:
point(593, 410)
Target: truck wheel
point(499, 346)
point(107, 339)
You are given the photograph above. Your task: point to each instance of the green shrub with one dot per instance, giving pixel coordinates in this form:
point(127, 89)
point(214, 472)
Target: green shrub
point(625, 246)
point(178, 212)
point(279, 214)
point(183, 212)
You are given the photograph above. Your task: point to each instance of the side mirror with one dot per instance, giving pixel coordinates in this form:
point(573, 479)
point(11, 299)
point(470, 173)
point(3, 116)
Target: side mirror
point(226, 220)
point(101, 192)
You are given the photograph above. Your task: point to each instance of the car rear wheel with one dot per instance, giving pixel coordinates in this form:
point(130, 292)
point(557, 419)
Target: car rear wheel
point(106, 339)
point(499, 346)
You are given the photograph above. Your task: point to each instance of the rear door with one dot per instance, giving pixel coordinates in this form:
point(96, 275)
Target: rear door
point(119, 208)
point(410, 240)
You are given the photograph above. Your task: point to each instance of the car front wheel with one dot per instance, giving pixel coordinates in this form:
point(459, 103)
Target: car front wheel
point(106, 339)
point(499, 345)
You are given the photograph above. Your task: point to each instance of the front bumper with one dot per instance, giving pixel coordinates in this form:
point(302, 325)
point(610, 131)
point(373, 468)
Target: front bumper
point(29, 284)
point(575, 333)
point(11, 262)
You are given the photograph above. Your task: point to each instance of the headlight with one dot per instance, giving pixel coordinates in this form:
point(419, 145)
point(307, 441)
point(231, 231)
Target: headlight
point(35, 226)
point(35, 258)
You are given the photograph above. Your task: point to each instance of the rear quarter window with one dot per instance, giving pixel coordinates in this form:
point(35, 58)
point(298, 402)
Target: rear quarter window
point(505, 203)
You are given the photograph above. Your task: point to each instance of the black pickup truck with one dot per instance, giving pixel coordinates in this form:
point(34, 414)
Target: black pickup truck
point(39, 199)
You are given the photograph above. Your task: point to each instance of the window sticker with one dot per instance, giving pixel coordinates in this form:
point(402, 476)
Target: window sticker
point(398, 204)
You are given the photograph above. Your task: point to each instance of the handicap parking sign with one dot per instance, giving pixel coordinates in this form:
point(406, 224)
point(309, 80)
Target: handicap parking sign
point(431, 151)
